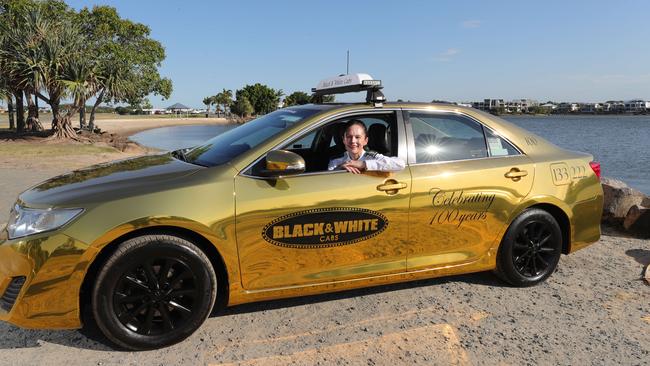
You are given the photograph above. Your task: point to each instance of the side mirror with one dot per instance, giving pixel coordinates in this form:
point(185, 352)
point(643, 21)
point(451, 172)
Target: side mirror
point(282, 162)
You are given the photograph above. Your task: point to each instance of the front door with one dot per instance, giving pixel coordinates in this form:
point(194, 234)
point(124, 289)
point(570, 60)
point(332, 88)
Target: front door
point(320, 227)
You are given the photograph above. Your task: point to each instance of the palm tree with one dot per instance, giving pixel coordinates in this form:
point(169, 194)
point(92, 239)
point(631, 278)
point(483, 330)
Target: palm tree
point(208, 101)
point(224, 98)
point(63, 71)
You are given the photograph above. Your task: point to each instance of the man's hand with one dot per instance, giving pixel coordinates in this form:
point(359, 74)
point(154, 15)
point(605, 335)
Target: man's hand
point(354, 166)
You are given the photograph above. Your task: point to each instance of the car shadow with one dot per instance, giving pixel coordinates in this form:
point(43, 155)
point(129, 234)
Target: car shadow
point(482, 278)
point(91, 338)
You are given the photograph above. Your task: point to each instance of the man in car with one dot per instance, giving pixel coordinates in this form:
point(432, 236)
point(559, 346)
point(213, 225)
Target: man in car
point(356, 160)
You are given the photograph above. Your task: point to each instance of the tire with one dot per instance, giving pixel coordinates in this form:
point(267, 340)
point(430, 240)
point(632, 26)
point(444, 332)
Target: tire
point(530, 249)
point(154, 291)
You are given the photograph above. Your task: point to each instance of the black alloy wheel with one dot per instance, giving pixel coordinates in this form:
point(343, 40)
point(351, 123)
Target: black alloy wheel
point(155, 290)
point(530, 249)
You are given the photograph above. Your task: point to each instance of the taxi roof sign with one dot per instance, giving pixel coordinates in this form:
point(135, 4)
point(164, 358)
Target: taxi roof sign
point(346, 84)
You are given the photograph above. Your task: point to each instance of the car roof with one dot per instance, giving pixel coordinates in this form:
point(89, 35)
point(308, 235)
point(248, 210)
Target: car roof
point(392, 104)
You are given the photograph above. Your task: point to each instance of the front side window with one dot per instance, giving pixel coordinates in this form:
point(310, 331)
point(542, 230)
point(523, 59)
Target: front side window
point(446, 137)
point(232, 143)
point(327, 141)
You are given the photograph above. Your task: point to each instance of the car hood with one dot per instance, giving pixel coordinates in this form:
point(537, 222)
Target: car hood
point(110, 181)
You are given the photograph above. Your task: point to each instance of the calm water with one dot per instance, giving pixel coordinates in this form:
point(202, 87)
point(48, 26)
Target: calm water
point(174, 138)
point(620, 143)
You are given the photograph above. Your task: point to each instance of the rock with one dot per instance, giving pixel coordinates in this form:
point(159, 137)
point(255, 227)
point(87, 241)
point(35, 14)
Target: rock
point(637, 221)
point(646, 202)
point(619, 198)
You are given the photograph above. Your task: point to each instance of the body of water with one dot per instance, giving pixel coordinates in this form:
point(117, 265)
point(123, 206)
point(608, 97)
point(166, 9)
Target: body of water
point(178, 137)
point(620, 143)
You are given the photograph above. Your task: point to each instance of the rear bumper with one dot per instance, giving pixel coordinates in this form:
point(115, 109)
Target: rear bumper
point(40, 278)
point(585, 223)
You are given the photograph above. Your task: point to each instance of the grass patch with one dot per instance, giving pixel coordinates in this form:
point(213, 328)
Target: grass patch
point(49, 150)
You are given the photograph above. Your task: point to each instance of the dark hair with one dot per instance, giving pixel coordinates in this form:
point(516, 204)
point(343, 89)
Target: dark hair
point(353, 122)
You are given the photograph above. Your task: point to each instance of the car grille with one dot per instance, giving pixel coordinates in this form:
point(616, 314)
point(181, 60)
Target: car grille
point(9, 298)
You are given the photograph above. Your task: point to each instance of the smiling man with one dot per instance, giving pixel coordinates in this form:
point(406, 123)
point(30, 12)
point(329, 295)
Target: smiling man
point(356, 160)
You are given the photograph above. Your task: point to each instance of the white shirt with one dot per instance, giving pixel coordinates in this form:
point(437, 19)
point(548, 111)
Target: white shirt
point(374, 161)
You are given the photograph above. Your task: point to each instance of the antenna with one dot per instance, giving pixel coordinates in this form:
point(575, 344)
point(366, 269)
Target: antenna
point(347, 70)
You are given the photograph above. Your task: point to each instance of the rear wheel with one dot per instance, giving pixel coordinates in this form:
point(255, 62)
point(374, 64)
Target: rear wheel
point(154, 291)
point(530, 249)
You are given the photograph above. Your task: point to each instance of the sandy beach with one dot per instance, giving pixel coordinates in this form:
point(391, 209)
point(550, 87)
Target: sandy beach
point(130, 126)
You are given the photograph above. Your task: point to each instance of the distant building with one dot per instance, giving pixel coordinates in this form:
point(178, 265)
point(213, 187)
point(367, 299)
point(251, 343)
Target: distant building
point(568, 107)
point(520, 105)
point(490, 104)
point(153, 111)
point(613, 106)
point(591, 108)
point(549, 106)
point(178, 108)
point(636, 106)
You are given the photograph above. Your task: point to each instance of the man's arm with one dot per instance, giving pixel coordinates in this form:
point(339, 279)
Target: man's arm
point(385, 163)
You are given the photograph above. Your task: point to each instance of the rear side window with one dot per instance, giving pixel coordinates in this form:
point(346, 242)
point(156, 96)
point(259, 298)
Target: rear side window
point(498, 146)
point(443, 137)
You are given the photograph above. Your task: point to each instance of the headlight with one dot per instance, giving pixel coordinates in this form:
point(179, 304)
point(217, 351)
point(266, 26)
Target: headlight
point(28, 221)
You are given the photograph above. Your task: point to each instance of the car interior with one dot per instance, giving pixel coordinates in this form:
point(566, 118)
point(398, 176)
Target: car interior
point(320, 146)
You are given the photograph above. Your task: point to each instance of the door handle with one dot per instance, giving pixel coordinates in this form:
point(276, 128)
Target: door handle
point(391, 186)
point(515, 174)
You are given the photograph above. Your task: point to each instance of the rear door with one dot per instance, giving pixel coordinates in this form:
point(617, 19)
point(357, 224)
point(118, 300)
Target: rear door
point(466, 182)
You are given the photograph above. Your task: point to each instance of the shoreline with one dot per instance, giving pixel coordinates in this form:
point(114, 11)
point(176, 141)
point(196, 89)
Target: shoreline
point(129, 127)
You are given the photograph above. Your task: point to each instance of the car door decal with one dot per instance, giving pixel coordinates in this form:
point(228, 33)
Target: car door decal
point(458, 206)
point(324, 227)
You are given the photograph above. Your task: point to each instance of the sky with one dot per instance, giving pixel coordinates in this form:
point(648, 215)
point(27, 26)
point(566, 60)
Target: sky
point(581, 51)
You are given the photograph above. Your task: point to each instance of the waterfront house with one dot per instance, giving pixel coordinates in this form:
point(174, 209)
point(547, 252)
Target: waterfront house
point(591, 108)
point(490, 105)
point(613, 106)
point(549, 106)
point(567, 108)
point(636, 106)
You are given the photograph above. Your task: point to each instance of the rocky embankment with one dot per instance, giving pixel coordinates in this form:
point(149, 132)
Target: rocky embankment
point(626, 209)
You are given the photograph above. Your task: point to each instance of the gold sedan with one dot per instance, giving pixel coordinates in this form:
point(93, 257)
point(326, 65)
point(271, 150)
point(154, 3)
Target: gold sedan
point(148, 245)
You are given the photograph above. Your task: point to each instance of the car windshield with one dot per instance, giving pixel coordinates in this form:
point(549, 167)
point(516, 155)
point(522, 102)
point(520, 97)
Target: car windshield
point(230, 144)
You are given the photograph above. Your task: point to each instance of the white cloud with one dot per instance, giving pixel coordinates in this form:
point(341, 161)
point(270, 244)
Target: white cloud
point(447, 55)
point(470, 24)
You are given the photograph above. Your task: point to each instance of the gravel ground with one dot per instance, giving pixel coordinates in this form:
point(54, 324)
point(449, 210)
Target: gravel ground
point(593, 310)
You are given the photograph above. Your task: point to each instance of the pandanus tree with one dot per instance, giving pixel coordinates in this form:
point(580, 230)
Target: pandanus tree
point(51, 52)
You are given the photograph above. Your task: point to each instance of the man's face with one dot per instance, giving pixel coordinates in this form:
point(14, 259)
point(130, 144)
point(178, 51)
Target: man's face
point(355, 139)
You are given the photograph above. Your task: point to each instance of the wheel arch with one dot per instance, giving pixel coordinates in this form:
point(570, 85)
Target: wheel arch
point(208, 248)
point(559, 214)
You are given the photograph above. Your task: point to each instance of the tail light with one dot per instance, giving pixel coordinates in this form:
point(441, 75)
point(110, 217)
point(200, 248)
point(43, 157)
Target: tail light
point(595, 166)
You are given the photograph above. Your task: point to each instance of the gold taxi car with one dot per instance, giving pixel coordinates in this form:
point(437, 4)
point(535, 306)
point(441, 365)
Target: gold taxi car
point(147, 245)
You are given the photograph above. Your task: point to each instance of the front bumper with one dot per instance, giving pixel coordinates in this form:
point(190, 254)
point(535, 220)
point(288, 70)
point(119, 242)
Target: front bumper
point(52, 266)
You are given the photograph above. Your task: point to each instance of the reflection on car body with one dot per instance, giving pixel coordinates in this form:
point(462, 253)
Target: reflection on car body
point(148, 244)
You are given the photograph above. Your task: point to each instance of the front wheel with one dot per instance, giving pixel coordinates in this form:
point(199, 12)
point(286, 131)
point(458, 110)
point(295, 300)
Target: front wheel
point(154, 291)
point(530, 249)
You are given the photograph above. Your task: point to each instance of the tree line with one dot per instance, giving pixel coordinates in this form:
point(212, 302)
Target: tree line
point(256, 99)
point(49, 52)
